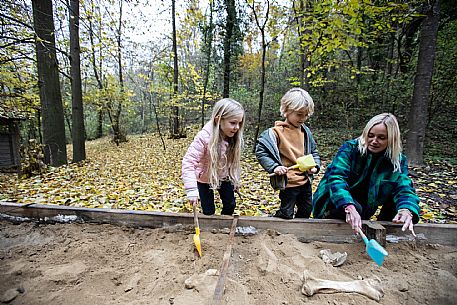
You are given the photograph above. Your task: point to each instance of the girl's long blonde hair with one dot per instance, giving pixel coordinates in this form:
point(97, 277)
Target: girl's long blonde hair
point(225, 109)
point(394, 148)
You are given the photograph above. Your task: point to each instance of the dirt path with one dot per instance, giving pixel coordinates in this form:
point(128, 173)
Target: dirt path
point(103, 264)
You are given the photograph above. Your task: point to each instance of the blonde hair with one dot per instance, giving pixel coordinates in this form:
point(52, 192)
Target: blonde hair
point(394, 148)
point(225, 109)
point(296, 99)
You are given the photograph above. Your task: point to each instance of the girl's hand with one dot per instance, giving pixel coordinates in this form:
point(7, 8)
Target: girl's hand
point(405, 216)
point(353, 217)
point(193, 200)
point(280, 170)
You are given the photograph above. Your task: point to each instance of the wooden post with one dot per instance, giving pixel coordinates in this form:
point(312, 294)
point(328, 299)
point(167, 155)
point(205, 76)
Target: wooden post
point(375, 231)
point(219, 291)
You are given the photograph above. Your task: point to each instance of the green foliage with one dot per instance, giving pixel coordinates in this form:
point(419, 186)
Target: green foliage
point(18, 80)
point(332, 29)
point(353, 47)
point(19, 90)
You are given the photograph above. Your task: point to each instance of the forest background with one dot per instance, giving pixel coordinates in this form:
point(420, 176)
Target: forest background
point(145, 74)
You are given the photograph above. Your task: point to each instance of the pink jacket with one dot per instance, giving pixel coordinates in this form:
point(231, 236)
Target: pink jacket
point(196, 161)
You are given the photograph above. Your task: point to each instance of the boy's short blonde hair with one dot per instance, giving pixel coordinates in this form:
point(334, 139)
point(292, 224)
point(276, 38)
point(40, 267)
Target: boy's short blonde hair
point(296, 99)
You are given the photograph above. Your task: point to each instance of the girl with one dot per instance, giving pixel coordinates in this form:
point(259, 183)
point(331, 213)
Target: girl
point(368, 172)
point(212, 161)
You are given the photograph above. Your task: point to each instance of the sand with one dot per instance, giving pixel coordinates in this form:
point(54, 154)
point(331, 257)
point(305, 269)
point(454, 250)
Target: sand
point(76, 263)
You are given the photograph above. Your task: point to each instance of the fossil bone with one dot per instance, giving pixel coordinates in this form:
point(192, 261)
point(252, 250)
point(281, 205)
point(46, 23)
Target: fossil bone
point(370, 287)
point(335, 259)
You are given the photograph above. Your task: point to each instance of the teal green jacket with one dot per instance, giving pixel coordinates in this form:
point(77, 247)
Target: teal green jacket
point(349, 168)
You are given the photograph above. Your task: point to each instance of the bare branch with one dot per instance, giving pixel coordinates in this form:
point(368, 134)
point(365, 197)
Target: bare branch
point(17, 21)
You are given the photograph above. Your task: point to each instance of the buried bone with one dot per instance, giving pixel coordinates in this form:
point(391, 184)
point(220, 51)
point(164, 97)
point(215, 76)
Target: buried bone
point(335, 259)
point(370, 288)
point(200, 279)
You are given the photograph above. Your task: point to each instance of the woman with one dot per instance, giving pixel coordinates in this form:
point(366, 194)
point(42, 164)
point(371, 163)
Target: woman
point(368, 172)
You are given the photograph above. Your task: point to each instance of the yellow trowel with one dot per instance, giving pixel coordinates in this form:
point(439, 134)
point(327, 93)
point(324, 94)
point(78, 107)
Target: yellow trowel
point(303, 164)
point(197, 243)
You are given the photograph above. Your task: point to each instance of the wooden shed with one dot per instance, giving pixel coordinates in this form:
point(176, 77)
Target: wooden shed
point(9, 140)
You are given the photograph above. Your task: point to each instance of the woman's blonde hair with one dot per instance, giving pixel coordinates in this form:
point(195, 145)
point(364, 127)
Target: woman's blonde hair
point(225, 109)
point(296, 99)
point(394, 147)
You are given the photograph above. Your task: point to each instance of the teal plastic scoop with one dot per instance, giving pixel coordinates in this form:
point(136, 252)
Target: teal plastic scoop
point(374, 249)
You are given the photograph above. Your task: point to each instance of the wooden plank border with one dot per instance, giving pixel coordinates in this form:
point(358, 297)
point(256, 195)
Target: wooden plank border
point(306, 230)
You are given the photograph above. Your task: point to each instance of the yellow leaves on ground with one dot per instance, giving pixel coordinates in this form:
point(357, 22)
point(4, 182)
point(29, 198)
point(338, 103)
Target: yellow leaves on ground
point(437, 188)
point(141, 175)
point(137, 175)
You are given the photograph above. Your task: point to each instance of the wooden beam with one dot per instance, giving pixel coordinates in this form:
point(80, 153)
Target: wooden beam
point(431, 233)
point(306, 230)
point(219, 290)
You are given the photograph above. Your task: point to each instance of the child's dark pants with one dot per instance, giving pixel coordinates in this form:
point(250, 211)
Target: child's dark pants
point(207, 198)
point(300, 196)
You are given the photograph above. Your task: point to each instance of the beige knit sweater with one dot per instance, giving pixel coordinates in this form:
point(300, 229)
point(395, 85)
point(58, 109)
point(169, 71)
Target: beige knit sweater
point(291, 145)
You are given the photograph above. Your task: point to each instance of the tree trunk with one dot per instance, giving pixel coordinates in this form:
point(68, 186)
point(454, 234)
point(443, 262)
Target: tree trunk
point(262, 89)
point(175, 131)
point(417, 119)
point(119, 136)
point(99, 123)
point(230, 23)
point(77, 111)
point(151, 102)
point(208, 49)
point(301, 30)
point(98, 72)
point(48, 83)
point(409, 34)
point(264, 46)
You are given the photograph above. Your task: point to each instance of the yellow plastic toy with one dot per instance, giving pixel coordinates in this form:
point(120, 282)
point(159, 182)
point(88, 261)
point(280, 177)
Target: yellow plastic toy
point(303, 164)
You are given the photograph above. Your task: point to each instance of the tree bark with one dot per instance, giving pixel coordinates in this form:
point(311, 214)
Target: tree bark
point(98, 72)
point(229, 25)
point(154, 108)
point(417, 119)
point(77, 111)
point(48, 83)
point(264, 46)
point(408, 33)
point(299, 11)
point(119, 136)
point(175, 131)
point(208, 49)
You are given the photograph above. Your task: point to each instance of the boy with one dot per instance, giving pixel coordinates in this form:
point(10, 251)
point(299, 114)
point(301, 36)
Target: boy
point(280, 146)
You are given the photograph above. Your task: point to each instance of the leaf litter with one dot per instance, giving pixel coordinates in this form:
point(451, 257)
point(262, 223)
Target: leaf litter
point(141, 175)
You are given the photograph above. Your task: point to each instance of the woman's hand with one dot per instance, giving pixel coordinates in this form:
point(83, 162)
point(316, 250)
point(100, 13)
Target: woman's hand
point(353, 217)
point(280, 170)
point(405, 216)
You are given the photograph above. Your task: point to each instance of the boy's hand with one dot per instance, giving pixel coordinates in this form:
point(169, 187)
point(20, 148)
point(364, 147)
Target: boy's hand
point(312, 170)
point(280, 170)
